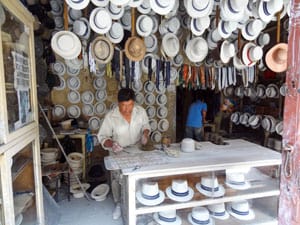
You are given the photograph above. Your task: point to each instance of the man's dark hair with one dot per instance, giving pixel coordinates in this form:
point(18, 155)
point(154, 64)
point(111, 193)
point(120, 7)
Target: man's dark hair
point(126, 94)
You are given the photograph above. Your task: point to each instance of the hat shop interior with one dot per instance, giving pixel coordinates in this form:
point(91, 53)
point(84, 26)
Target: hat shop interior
point(62, 65)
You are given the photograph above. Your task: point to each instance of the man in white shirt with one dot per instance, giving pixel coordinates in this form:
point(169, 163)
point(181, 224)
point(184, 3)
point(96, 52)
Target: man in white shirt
point(126, 124)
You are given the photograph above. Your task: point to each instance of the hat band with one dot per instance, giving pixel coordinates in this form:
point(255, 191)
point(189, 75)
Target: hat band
point(231, 8)
point(265, 8)
point(77, 1)
point(197, 9)
point(240, 212)
point(150, 197)
point(200, 221)
point(96, 24)
point(179, 194)
point(237, 182)
point(223, 28)
point(196, 27)
point(209, 188)
point(166, 219)
point(217, 213)
point(160, 5)
point(247, 31)
point(248, 56)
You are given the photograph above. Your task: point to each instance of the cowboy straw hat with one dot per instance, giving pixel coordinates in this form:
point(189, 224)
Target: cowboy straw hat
point(197, 9)
point(149, 194)
point(66, 44)
point(135, 49)
point(227, 51)
point(170, 44)
point(276, 57)
point(200, 215)
point(115, 33)
point(196, 49)
point(179, 191)
point(199, 25)
point(100, 20)
point(74, 4)
point(162, 7)
point(82, 28)
point(144, 25)
point(102, 50)
point(251, 53)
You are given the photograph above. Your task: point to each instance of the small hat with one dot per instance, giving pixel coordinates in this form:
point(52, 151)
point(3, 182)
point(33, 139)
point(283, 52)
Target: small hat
point(59, 23)
point(272, 91)
point(228, 91)
point(73, 111)
point(100, 108)
point(66, 44)
point(82, 28)
point(144, 25)
point(2, 16)
point(167, 217)
point(153, 124)
point(150, 194)
point(139, 98)
point(126, 20)
point(238, 64)
point(227, 51)
point(177, 60)
point(241, 210)
point(115, 33)
point(173, 25)
point(101, 95)
point(58, 68)
point(197, 9)
point(99, 83)
point(72, 71)
point(196, 49)
point(100, 20)
point(100, 3)
point(244, 118)
point(102, 50)
point(260, 91)
point(218, 211)
point(146, 61)
point(73, 14)
point(149, 99)
point(74, 96)
point(59, 111)
point(179, 191)
point(100, 192)
point(149, 86)
point(73, 83)
point(232, 10)
point(213, 38)
point(235, 117)
point(137, 85)
point(269, 123)
point(162, 112)
point(115, 11)
point(252, 29)
point(144, 8)
point(283, 89)
point(87, 97)
point(163, 125)
point(279, 128)
point(239, 91)
point(251, 53)
point(210, 187)
point(200, 215)
point(135, 49)
point(199, 25)
point(161, 89)
point(88, 110)
point(162, 7)
point(276, 57)
point(267, 9)
point(263, 39)
point(150, 110)
point(62, 84)
point(120, 2)
point(225, 28)
point(75, 4)
point(170, 44)
point(156, 136)
point(237, 181)
point(151, 43)
point(94, 123)
point(254, 120)
point(161, 99)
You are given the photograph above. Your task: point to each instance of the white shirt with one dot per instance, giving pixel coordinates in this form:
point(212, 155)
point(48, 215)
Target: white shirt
point(118, 129)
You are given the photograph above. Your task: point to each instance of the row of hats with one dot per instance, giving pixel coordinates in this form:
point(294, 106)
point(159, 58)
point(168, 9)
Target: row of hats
point(179, 191)
point(205, 215)
point(268, 123)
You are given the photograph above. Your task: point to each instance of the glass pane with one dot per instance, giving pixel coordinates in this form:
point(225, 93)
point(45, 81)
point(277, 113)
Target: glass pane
point(23, 186)
point(15, 43)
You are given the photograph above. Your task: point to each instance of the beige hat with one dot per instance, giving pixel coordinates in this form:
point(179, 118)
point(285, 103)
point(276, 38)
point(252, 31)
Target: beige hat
point(135, 49)
point(276, 57)
point(102, 50)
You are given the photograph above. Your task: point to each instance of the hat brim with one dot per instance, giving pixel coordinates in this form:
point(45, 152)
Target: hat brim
point(244, 186)
point(148, 202)
point(162, 10)
point(250, 216)
point(190, 219)
point(218, 193)
point(180, 199)
point(178, 220)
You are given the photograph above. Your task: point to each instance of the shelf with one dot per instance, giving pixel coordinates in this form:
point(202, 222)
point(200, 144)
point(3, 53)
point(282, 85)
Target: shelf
point(19, 165)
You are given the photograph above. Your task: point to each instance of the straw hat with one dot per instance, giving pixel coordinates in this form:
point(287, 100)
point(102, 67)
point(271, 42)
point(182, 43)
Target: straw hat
point(81, 28)
point(144, 8)
point(179, 191)
point(260, 91)
point(73, 83)
point(199, 25)
point(156, 136)
point(225, 28)
point(73, 14)
point(88, 110)
point(100, 108)
point(146, 61)
point(279, 128)
point(196, 49)
point(162, 7)
point(94, 123)
point(87, 97)
point(252, 29)
point(241, 210)
point(126, 20)
point(74, 63)
point(58, 68)
point(218, 211)
point(251, 53)
point(162, 112)
point(137, 85)
point(200, 215)
point(120, 2)
point(100, 20)
point(151, 43)
point(150, 194)
point(227, 51)
point(135, 49)
point(283, 89)
point(74, 4)
point(161, 99)
point(187, 145)
point(139, 98)
point(149, 99)
point(232, 10)
point(66, 44)
point(115, 11)
point(115, 33)
point(177, 60)
point(73, 111)
point(263, 39)
point(135, 3)
point(59, 111)
point(167, 217)
point(163, 125)
point(149, 86)
point(101, 95)
point(144, 25)
point(99, 83)
point(153, 124)
point(210, 187)
point(74, 96)
point(151, 112)
point(102, 50)
point(237, 181)
point(235, 117)
point(62, 84)
point(238, 64)
point(100, 3)
point(276, 57)
point(100, 192)
point(267, 9)
point(197, 9)
point(170, 44)
point(272, 91)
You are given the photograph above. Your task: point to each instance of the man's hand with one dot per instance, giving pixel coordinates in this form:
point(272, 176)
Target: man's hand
point(145, 137)
point(116, 147)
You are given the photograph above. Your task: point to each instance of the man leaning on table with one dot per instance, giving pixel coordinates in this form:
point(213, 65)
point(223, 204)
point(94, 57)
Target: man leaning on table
point(125, 125)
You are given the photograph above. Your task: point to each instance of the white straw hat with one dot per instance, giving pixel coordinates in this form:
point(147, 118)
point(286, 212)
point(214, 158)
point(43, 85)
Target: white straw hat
point(232, 10)
point(144, 25)
point(263, 39)
point(261, 90)
point(252, 29)
point(94, 123)
point(100, 3)
point(279, 127)
point(120, 2)
point(200, 215)
point(151, 112)
point(177, 60)
point(73, 83)
point(72, 71)
point(241, 210)
point(59, 111)
point(196, 49)
point(218, 211)
point(149, 99)
point(151, 43)
point(135, 3)
point(100, 108)
point(88, 110)
point(225, 28)
point(199, 25)
point(101, 95)
point(150, 194)
point(251, 53)
point(75, 63)
point(156, 136)
point(139, 98)
point(283, 89)
point(115, 33)
point(170, 44)
point(82, 28)
point(58, 68)
point(144, 8)
point(87, 97)
point(179, 191)
point(197, 9)
point(162, 112)
point(167, 217)
point(100, 20)
point(163, 125)
point(75, 4)
point(102, 50)
point(74, 96)
point(99, 83)
point(210, 187)
point(161, 99)
point(115, 11)
point(73, 14)
point(137, 85)
point(73, 111)
point(162, 7)
point(227, 51)
point(153, 124)
point(62, 84)
point(267, 9)
point(149, 86)
point(126, 20)
point(235, 117)
point(237, 181)
point(272, 91)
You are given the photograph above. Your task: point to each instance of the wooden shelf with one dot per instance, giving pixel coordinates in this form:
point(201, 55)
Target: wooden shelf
point(19, 165)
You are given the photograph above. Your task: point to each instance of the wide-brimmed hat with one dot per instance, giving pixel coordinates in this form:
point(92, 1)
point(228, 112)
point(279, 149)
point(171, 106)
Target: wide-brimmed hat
point(81, 28)
point(218, 211)
point(58, 68)
point(170, 44)
point(100, 108)
point(146, 62)
point(263, 39)
point(72, 71)
point(225, 28)
point(59, 111)
point(237, 181)
point(244, 118)
point(269, 123)
point(156, 136)
point(240, 210)
point(272, 91)
point(139, 98)
point(151, 43)
point(102, 50)
point(177, 60)
point(199, 25)
point(227, 51)
point(276, 57)
point(254, 120)
point(137, 85)
point(94, 123)
point(200, 215)
point(167, 217)
point(74, 96)
point(88, 110)
point(56, 8)
point(252, 29)
point(162, 112)
point(232, 10)
point(66, 44)
point(62, 84)
point(100, 3)
point(75, 4)
point(179, 191)
point(228, 91)
point(73, 14)
point(135, 49)
point(162, 7)
point(75, 63)
point(73, 111)
point(251, 53)
point(150, 194)
point(196, 49)
point(73, 83)
point(210, 187)
point(197, 9)
point(267, 9)
point(163, 125)
point(213, 37)
point(100, 20)
point(239, 91)
point(87, 97)
point(144, 25)
point(115, 33)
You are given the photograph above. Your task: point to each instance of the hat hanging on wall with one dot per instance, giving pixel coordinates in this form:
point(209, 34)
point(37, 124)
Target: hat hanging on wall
point(162, 7)
point(100, 3)
point(196, 49)
point(144, 8)
point(251, 53)
point(135, 3)
point(115, 33)
point(135, 49)
point(197, 9)
point(73, 111)
point(82, 28)
point(120, 2)
point(199, 25)
point(151, 43)
point(102, 50)
point(170, 44)
point(100, 20)
point(227, 51)
point(73, 14)
point(252, 29)
point(232, 10)
point(267, 9)
point(225, 28)
point(146, 61)
point(100, 108)
point(115, 11)
point(276, 57)
point(58, 68)
point(144, 25)
point(126, 20)
point(75, 4)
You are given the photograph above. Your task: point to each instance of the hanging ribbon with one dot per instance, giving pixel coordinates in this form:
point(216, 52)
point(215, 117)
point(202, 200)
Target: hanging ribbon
point(157, 73)
point(150, 71)
point(127, 72)
point(168, 73)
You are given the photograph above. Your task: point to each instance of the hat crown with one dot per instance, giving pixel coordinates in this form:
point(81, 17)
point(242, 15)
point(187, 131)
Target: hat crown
point(235, 177)
point(210, 182)
point(102, 19)
point(240, 206)
point(200, 214)
point(255, 53)
point(218, 208)
point(146, 23)
point(280, 55)
point(150, 188)
point(168, 214)
point(180, 186)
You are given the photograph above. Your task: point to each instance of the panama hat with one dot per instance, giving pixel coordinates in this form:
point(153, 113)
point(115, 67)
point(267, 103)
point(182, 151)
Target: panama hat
point(101, 95)
point(267, 9)
point(102, 50)
point(244, 118)
point(137, 85)
point(251, 53)
point(100, 20)
point(218, 211)
point(196, 49)
point(100, 108)
point(156, 136)
point(283, 89)
point(81, 28)
point(210, 187)
point(269, 123)
point(120, 2)
point(74, 63)
point(199, 25)
point(75, 4)
point(100, 3)
point(139, 98)
point(225, 28)
point(73, 83)
point(99, 83)
point(73, 14)
point(100, 192)
point(73, 111)
point(146, 61)
point(263, 39)
point(197, 9)
point(272, 91)
point(162, 112)
point(161, 99)
point(74, 96)
point(59, 22)
point(240, 210)
point(59, 111)
point(235, 117)
point(58, 68)
point(162, 7)
point(179, 191)
point(149, 99)
point(213, 37)
point(254, 120)
point(115, 33)
point(276, 57)
point(62, 84)
point(232, 10)
point(115, 11)
point(135, 3)
point(237, 181)
point(87, 97)
point(261, 90)
point(144, 8)
point(200, 215)
point(252, 29)
point(88, 110)
point(150, 194)
point(163, 125)
point(279, 128)
point(151, 43)
point(144, 25)
point(135, 49)
point(126, 20)
point(149, 86)
point(151, 112)
point(94, 123)
point(153, 124)
point(170, 44)
point(177, 60)
point(167, 217)
point(66, 44)
point(227, 51)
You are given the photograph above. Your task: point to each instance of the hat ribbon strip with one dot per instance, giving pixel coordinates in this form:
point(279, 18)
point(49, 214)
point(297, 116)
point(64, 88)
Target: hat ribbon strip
point(248, 56)
point(197, 9)
point(237, 182)
point(217, 213)
point(150, 197)
point(265, 8)
point(180, 194)
point(166, 219)
point(200, 221)
point(230, 7)
point(240, 212)
point(209, 188)
point(160, 5)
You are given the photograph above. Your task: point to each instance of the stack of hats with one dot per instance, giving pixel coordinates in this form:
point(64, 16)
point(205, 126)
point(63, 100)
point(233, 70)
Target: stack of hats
point(49, 156)
point(75, 160)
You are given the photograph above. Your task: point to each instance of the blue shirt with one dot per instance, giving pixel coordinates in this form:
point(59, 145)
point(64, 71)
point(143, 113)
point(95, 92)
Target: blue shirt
point(194, 118)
